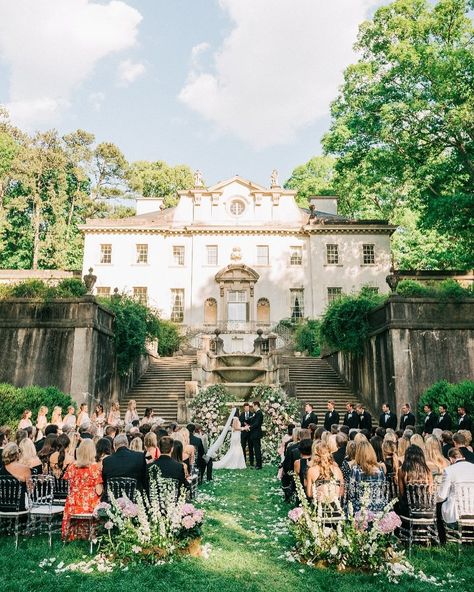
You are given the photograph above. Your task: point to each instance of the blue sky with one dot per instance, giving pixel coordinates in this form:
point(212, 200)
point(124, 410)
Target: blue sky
point(226, 86)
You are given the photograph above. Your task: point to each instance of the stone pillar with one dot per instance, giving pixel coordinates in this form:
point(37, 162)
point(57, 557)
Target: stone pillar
point(272, 339)
point(82, 370)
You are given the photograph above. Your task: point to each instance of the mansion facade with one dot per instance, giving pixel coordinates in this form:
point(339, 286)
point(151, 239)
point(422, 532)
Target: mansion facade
point(237, 255)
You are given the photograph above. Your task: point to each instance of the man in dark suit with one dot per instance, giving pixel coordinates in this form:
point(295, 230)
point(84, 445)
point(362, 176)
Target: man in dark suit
point(365, 419)
point(341, 443)
point(255, 431)
point(407, 418)
point(351, 419)
point(387, 419)
point(444, 419)
point(199, 448)
point(431, 420)
point(309, 416)
point(125, 463)
point(244, 418)
point(459, 441)
point(331, 417)
point(49, 429)
point(464, 421)
point(170, 468)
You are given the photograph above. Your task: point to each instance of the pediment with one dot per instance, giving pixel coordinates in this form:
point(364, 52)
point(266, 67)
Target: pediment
point(236, 273)
point(249, 185)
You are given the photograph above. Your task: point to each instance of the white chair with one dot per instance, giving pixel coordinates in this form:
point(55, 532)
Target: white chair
point(464, 500)
point(12, 498)
point(41, 502)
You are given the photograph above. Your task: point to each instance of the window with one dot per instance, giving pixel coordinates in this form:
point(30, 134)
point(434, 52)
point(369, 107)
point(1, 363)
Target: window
point(332, 254)
point(262, 255)
point(178, 255)
point(368, 254)
point(334, 294)
point(103, 291)
point(237, 207)
point(142, 254)
point(296, 256)
point(106, 253)
point(141, 294)
point(296, 303)
point(212, 254)
point(177, 305)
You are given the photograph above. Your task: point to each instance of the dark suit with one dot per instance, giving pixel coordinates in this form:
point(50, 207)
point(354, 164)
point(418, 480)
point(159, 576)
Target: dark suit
point(308, 418)
point(245, 436)
point(431, 421)
point(330, 419)
point(407, 420)
point(388, 422)
point(125, 463)
point(468, 455)
point(365, 421)
point(351, 420)
point(465, 423)
point(444, 422)
point(200, 460)
point(340, 455)
point(255, 423)
point(171, 469)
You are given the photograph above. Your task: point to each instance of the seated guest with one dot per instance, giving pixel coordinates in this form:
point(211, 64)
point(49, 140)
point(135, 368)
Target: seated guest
point(300, 466)
point(86, 430)
point(177, 455)
point(318, 433)
point(20, 435)
point(324, 478)
point(348, 462)
point(468, 437)
point(414, 470)
point(110, 433)
point(459, 471)
point(169, 468)
point(377, 446)
point(12, 467)
point(85, 488)
point(136, 444)
point(366, 474)
point(189, 452)
point(124, 463)
point(50, 430)
point(61, 458)
point(29, 456)
point(46, 451)
point(418, 440)
point(390, 458)
point(103, 449)
point(3, 443)
point(446, 442)
point(434, 457)
point(460, 442)
point(341, 443)
point(151, 447)
point(200, 461)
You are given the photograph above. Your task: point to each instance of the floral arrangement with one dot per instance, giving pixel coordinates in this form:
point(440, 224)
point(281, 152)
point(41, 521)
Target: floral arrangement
point(278, 411)
point(209, 409)
point(362, 540)
point(151, 529)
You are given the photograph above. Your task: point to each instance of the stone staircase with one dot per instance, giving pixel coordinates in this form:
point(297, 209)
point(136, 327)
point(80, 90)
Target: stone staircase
point(317, 383)
point(161, 387)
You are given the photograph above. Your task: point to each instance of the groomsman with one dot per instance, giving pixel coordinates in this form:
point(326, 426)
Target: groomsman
point(331, 417)
point(387, 419)
point(309, 416)
point(365, 419)
point(444, 419)
point(351, 419)
point(464, 421)
point(431, 421)
point(244, 419)
point(255, 425)
point(407, 418)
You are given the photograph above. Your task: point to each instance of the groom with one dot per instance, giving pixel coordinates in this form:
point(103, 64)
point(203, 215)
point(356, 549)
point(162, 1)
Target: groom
point(255, 423)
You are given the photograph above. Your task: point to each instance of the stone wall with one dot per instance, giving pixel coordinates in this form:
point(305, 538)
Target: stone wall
point(413, 343)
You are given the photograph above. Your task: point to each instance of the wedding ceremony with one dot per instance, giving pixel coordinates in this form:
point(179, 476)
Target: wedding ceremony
point(236, 295)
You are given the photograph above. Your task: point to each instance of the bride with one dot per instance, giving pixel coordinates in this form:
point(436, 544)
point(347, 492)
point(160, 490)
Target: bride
point(234, 459)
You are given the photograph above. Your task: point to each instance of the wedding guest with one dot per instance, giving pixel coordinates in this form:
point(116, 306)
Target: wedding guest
point(41, 421)
point(188, 450)
point(418, 440)
point(340, 454)
point(85, 488)
point(25, 421)
point(377, 442)
point(131, 414)
point(459, 441)
point(468, 437)
point(56, 417)
point(464, 421)
point(366, 473)
point(20, 435)
point(12, 467)
point(177, 455)
point(29, 456)
point(324, 478)
point(431, 420)
point(348, 462)
point(331, 417)
point(286, 440)
point(46, 451)
point(434, 456)
point(125, 463)
point(61, 458)
point(458, 471)
point(390, 458)
point(300, 466)
point(318, 433)
point(73, 443)
point(147, 419)
point(136, 444)
point(103, 449)
point(70, 418)
point(110, 433)
point(50, 430)
point(387, 419)
point(407, 418)
point(169, 468)
point(444, 419)
point(413, 470)
point(351, 418)
point(114, 415)
point(365, 419)
point(309, 416)
point(86, 430)
point(83, 415)
point(98, 419)
point(151, 447)
point(446, 442)
point(199, 450)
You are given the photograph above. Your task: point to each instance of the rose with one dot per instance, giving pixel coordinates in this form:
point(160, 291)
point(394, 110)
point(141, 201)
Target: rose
point(295, 514)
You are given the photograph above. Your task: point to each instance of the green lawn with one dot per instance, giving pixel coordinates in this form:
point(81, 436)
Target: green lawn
point(245, 526)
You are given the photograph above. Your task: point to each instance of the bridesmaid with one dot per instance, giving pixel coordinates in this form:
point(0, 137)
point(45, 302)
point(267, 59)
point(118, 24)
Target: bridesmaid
point(98, 418)
point(41, 422)
point(114, 415)
point(25, 421)
point(56, 418)
point(131, 414)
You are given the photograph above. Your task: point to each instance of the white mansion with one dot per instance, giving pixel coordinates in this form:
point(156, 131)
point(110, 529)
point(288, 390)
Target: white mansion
point(237, 255)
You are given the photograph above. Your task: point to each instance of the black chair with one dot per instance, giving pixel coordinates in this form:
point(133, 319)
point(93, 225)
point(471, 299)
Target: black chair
point(419, 519)
point(122, 486)
point(12, 498)
point(60, 491)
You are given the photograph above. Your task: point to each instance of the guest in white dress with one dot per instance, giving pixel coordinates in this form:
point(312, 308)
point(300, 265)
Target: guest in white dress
point(25, 421)
point(98, 419)
point(41, 422)
point(69, 420)
point(131, 413)
point(234, 459)
point(114, 415)
point(83, 415)
point(56, 417)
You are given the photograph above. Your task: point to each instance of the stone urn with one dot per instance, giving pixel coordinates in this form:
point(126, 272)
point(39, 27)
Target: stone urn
point(90, 280)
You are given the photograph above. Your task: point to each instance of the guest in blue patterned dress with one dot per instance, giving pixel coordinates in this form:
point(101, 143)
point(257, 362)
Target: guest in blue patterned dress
point(366, 475)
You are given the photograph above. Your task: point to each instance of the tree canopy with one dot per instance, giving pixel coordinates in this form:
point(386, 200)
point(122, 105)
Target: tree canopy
point(315, 177)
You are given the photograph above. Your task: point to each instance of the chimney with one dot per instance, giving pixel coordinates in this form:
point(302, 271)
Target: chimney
point(324, 203)
point(146, 205)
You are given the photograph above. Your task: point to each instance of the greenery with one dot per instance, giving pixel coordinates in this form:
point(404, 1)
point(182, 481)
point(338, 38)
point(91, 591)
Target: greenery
point(169, 339)
point(13, 401)
point(307, 337)
point(445, 290)
point(403, 130)
point(246, 528)
point(210, 410)
point(449, 394)
point(345, 324)
point(312, 178)
point(67, 288)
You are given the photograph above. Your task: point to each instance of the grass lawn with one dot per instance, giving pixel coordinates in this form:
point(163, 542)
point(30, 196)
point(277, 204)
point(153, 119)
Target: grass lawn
point(245, 527)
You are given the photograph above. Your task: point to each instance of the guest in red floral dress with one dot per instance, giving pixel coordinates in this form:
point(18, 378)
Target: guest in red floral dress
point(85, 488)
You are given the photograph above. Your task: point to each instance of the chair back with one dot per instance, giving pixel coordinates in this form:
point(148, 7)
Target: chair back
point(42, 492)
point(61, 489)
point(122, 486)
point(391, 485)
point(11, 492)
point(464, 499)
point(421, 499)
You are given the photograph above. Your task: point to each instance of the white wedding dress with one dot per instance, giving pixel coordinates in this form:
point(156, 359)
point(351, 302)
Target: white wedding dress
point(234, 459)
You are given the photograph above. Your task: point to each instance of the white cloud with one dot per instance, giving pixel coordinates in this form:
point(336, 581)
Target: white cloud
point(129, 71)
point(196, 51)
point(52, 46)
point(278, 69)
point(96, 99)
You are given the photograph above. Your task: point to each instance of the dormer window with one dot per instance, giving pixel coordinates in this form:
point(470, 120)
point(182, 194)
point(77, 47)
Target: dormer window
point(237, 207)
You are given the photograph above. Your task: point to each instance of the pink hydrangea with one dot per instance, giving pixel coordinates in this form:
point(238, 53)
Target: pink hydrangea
point(102, 506)
point(188, 522)
point(389, 523)
point(188, 509)
point(130, 510)
point(295, 514)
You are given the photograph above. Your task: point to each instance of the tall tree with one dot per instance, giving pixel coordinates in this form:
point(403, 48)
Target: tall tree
point(315, 177)
point(403, 125)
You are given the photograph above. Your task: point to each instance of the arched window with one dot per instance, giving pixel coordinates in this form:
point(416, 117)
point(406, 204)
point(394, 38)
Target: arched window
point(263, 311)
point(210, 311)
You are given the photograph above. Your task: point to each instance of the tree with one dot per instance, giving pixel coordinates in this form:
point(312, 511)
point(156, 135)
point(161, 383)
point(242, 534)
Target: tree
point(312, 178)
point(109, 171)
point(403, 125)
point(158, 179)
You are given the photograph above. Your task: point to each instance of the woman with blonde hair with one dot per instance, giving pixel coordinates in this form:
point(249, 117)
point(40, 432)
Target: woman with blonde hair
point(188, 450)
point(367, 474)
point(324, 478)
point(403, 444)
point(113, 418)
point(434, 457)
point(41, 422)
point(331, 443)
point(131, 414)
point(136, 444)
point(85, 488)
point(390, 457)
point(152, 452)
point(29, 456)
point(417, 440)
point(70, 420)
point(12, 467)
point(74, 440)
point(56, 417)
